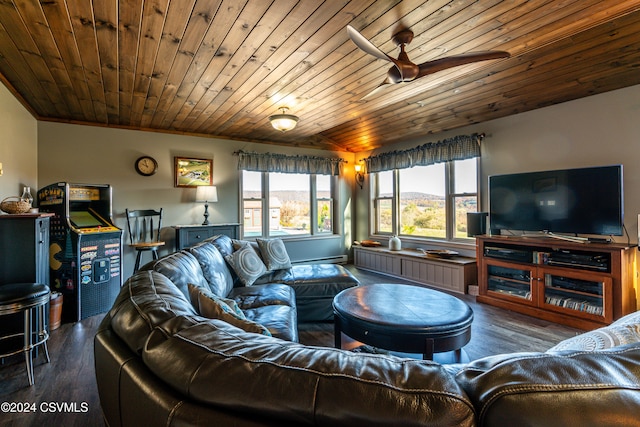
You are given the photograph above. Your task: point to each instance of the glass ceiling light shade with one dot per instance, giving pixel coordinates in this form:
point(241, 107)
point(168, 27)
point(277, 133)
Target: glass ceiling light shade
point(283, 122)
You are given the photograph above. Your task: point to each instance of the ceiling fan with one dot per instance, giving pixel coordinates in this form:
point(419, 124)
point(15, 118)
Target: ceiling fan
point(404, 70)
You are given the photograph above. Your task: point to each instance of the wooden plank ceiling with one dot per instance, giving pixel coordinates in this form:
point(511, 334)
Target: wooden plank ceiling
point(222, 67)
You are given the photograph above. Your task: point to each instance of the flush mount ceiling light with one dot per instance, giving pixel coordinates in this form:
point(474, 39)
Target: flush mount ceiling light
point(283, 122)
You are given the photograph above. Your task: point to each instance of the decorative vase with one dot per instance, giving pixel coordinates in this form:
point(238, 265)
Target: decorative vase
point(395, 244)
point(26, 195)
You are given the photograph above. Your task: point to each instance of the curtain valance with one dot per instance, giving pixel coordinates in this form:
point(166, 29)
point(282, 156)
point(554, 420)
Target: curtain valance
point(269, 162)
point(457, 148)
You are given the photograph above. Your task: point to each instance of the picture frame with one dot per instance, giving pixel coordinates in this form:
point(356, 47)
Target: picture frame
point(190, 172)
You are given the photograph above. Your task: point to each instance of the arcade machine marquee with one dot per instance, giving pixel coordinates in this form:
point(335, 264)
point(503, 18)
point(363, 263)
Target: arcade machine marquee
point(85, 252)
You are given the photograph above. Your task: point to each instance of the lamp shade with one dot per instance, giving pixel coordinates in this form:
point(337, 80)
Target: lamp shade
point(206, 193)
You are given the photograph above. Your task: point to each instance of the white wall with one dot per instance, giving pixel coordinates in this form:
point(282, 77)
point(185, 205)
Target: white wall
point(97, 155)
point(599, 130)
point(18, 146)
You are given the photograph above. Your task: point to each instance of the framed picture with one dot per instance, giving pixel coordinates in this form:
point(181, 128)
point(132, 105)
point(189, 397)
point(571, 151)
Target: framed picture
point(193, 172)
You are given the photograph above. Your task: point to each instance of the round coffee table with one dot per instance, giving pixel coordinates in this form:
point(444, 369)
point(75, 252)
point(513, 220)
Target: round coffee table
point(403, 318)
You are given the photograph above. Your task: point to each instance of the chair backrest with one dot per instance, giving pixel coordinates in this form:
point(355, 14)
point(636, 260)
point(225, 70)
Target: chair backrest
point(144, 225)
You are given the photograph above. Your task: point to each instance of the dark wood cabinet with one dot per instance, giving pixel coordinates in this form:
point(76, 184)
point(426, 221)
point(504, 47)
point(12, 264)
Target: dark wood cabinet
point(24, 258)
point(584, 285)
point(24, 248)
point(189, 235)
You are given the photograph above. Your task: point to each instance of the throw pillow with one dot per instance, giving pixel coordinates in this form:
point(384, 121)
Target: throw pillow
point(247, 264)
point(274, 254)
point(601, 338)
point(212, 306)
point(237, 244)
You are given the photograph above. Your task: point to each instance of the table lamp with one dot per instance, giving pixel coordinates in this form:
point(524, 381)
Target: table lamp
point(206, 194)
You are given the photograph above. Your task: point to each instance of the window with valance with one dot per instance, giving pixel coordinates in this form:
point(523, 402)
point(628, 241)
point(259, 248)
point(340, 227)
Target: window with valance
point(457, 148)
point(426, 191)
point(282, 163)
point(285, 195)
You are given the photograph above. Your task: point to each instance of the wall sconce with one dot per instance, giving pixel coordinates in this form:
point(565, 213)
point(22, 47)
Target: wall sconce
point(359, 175)
point(206, 194)
point(283, 122)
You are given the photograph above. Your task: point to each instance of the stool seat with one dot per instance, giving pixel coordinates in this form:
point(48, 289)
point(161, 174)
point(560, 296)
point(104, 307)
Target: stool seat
point(21, 293)
point(29, 299)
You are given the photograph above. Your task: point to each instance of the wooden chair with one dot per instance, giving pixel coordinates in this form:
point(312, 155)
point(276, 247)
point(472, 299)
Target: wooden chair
point(144, 232)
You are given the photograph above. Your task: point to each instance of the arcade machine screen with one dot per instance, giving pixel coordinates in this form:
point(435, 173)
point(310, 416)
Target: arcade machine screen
point(84, 219)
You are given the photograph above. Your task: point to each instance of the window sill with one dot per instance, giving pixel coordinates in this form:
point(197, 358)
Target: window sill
point(468, 247)
point(296, 238)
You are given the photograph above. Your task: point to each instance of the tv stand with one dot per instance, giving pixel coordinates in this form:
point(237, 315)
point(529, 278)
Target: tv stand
point(568, 282)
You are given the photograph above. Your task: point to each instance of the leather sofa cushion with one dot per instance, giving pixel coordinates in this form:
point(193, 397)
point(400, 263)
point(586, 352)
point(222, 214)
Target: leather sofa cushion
point(276, 276)
point(223, 243)
point(261, 295)
point(315, 285)
point(214, 307)
point(535, 389)
point(313, 280)
point(146, 300)
point(335, 276)
point(181, 268)
point(280, 320)
point(225, 367)
point(214, 268)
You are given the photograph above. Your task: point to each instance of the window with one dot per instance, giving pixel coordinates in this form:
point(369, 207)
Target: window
point(285, 204)
point(383, 204)
point(324, 204)
point(426, 201)
point(423, 201)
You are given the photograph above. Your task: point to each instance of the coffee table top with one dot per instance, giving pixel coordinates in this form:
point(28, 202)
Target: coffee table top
point(406, 309)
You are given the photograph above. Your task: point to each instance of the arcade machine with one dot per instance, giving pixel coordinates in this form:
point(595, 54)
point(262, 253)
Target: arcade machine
point(85, 248)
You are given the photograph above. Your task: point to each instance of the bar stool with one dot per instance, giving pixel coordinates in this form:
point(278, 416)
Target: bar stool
point(27, 298)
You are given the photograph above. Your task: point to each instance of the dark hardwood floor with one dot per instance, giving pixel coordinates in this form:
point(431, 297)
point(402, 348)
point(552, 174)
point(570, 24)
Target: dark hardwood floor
point(68, 382)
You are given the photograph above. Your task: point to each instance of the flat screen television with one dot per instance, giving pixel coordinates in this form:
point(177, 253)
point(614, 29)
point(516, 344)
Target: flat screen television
point(574, 201)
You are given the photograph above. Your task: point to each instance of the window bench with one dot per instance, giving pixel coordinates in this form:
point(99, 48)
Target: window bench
point(452, 274)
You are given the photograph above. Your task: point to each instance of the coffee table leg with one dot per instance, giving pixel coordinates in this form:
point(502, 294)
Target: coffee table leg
point(428, 355)
point(337, 332)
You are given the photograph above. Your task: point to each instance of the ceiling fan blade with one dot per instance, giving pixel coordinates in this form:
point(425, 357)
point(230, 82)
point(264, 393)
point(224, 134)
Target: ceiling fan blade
point(436, 65)
point(366, 45)
point(376, 90)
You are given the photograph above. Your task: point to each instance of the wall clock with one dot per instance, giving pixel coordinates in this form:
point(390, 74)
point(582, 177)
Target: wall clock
point(146, 166)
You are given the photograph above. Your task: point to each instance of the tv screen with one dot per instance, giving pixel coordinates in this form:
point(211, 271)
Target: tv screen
point(577, 201)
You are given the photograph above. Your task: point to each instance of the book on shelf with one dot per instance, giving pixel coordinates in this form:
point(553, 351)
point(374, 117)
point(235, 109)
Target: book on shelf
point(574, 304)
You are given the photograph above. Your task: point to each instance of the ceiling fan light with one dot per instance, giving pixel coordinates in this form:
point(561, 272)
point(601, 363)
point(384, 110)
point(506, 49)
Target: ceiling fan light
point(283, 122)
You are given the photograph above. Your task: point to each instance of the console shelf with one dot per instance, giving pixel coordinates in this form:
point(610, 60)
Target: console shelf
point(584, 285)
point(453, 274)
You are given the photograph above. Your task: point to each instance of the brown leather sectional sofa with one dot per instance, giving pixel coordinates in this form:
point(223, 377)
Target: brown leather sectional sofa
point(159, 362)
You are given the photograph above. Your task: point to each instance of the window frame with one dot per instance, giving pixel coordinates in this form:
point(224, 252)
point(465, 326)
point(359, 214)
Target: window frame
point(313, 231)
point(450, 198)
